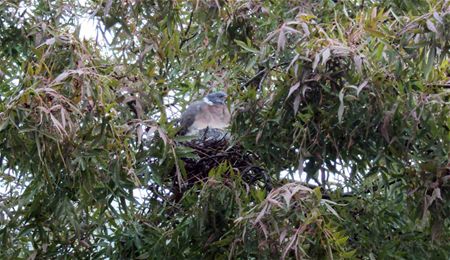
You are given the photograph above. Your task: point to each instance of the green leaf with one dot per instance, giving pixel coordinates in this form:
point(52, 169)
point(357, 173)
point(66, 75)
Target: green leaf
point(4, 124)
point(341, 105)
point(429, 62)
point(246, 47)
point(317, 193)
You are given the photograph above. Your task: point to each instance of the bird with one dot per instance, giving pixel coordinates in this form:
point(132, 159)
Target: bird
point(211, 112)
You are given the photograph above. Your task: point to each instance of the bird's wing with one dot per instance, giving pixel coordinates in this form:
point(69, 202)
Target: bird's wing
point(188, 116)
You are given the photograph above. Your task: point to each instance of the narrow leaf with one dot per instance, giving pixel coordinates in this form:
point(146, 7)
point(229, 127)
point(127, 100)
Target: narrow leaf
point(316, 62)
point(358, 63)
point(305, 29)
point(431, 27)
point(293, 88)
point(341, 106)
point(438, 17)
point(325, 56)
point(281, 40)
point(61, 77)
point(297, 103)
point(245, 46)
point(360, 87)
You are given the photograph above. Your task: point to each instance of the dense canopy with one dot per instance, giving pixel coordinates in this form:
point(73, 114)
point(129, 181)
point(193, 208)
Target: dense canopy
point(339, 141)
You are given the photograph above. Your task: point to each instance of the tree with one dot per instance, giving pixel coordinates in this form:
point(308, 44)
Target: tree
point(340, 111)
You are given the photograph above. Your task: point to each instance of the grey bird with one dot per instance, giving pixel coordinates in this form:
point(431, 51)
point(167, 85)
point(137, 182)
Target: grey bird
point(211, 112)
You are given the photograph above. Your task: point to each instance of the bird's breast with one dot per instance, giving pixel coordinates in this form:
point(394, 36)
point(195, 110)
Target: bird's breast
point(212, 116)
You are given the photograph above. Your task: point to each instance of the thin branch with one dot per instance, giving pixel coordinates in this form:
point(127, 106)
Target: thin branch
point(184, 40)
point(263, 73)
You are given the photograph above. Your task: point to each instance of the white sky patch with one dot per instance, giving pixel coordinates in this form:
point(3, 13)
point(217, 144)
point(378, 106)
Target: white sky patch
point(88, 28)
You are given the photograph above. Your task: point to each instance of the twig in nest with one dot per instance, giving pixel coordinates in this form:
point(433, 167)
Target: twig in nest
point(212, 149)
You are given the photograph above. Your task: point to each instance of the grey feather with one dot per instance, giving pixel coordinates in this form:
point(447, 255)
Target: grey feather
point(188, 116)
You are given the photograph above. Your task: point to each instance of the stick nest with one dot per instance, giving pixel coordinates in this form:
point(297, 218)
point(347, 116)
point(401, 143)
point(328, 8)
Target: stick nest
point(212, 148)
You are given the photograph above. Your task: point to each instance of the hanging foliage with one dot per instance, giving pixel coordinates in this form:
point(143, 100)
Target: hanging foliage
point(338, 147)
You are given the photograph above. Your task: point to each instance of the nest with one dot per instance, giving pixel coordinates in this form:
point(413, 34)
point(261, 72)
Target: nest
point(212, 148)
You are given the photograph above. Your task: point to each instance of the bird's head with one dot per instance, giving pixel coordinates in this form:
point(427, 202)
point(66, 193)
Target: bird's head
point(216, 98)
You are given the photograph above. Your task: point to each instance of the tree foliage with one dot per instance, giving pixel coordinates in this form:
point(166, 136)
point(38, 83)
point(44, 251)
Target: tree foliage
point(343, 106)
